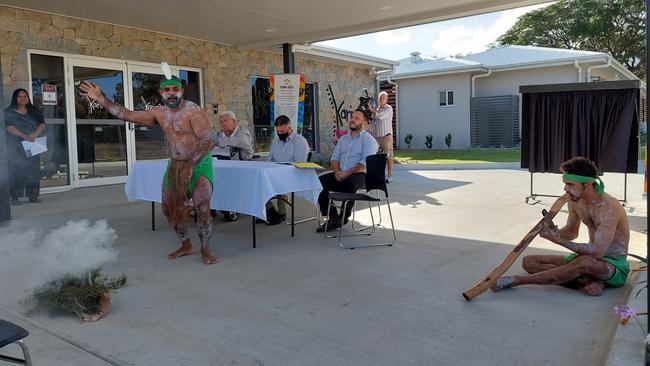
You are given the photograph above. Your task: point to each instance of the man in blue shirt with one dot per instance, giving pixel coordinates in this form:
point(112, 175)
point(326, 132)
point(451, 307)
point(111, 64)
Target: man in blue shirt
point(289, 146)
point(349, 168)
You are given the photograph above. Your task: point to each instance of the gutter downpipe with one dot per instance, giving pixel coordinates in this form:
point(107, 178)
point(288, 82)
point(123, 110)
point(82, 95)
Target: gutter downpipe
point(608, 64)
point(473, 93)
point(488, 73)
point(577, 65)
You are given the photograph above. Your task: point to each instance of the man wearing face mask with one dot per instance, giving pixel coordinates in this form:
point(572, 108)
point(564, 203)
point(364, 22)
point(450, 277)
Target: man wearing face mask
point(188, 132)
point(288, 146)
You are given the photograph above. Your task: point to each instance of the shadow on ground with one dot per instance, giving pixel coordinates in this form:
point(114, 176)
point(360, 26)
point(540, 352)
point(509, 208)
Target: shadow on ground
point(304, 301)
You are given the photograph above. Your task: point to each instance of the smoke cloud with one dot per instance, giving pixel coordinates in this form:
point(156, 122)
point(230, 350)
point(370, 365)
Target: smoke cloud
point(29, 259)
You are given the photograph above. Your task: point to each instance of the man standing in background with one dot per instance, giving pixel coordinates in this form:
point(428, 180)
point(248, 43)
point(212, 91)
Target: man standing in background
point(382, 124)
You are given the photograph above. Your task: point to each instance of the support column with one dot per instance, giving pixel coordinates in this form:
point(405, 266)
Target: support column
point(5, 207)
point(647, 113)
point(287, 57)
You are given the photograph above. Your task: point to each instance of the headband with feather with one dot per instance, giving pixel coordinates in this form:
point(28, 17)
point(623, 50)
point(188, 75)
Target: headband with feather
point(169, 78)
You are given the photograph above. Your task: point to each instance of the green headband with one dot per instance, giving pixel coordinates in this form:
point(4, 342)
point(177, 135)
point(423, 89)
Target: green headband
point(598, 184)
point(170, 82)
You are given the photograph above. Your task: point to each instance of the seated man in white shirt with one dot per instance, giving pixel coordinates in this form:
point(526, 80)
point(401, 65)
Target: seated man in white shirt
point(231, 143)
point(288, 146)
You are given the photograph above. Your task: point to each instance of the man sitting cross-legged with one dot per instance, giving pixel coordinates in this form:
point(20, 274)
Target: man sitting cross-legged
point(592, 266)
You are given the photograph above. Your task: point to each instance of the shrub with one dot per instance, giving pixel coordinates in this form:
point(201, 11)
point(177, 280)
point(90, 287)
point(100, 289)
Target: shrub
point(448, 141)
point(429, 141)
point(408, 139)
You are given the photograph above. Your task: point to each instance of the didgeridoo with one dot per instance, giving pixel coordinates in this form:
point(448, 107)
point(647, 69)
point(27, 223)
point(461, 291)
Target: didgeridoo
point(491, 277)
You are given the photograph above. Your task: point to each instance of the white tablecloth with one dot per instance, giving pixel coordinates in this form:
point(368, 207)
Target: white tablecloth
point(240, 186)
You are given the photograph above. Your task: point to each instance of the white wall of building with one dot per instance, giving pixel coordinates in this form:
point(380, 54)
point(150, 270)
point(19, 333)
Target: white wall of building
point(508, 82)
point(420, 113)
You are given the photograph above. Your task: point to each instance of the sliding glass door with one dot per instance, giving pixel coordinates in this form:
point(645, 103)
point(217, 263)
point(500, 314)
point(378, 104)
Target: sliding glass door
point(102, 142)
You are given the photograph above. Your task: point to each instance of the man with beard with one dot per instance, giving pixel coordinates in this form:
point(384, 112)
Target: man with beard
point(188, 132)
point(592, 266)
point(349, 168)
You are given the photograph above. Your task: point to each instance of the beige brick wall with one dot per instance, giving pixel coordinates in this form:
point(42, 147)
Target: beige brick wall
point(226, 70)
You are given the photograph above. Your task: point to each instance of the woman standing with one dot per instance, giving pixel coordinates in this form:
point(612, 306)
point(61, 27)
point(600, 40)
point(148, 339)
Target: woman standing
point(24, 122)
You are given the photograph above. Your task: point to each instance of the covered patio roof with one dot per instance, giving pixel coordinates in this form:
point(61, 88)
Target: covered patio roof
point(251, 24)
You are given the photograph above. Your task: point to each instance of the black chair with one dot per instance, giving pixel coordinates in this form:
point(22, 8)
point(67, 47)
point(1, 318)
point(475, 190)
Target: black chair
point(11, 333)
point(375, 181)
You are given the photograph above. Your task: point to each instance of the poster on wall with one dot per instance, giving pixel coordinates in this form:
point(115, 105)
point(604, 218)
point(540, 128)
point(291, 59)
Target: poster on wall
point(49, 94)
point(288, 98)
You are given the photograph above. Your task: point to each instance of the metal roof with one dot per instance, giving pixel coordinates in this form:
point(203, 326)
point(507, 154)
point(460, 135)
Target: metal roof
point(498, 58)
point(518, 55)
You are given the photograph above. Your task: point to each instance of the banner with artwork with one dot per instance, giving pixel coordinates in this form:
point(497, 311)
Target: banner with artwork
point(288, 98)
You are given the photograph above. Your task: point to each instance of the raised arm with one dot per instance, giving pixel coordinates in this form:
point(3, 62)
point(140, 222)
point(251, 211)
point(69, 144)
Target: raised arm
point(92, 91)
point(202, 128)
point(571, 229)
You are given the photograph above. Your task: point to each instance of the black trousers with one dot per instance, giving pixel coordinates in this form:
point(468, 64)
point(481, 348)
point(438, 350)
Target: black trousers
point(348, 185)
point(24, 174)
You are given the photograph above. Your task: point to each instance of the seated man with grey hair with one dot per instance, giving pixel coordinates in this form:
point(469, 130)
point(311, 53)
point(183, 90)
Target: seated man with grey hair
point(288, 146)
point(231, 143)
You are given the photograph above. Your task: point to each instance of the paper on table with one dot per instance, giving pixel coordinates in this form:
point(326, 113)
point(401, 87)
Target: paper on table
point(307, 165)
point(34, 148)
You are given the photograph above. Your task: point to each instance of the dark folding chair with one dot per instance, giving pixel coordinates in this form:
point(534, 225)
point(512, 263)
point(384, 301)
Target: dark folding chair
point(11, 333)
point(375, 181)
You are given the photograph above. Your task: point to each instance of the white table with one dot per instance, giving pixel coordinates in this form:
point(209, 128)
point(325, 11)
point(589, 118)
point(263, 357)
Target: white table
point(239, 186)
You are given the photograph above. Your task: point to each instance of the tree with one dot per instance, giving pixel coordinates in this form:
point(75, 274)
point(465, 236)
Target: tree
point(616, 27)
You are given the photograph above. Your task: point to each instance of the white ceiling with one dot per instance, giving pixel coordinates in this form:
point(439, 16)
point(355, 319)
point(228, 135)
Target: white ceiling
point(261, 23)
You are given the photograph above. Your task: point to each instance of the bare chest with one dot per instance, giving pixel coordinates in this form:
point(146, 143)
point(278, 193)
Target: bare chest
point(590, 216)
point(175, 124)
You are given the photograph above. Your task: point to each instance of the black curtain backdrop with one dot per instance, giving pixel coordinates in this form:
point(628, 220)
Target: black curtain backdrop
point(601, 125)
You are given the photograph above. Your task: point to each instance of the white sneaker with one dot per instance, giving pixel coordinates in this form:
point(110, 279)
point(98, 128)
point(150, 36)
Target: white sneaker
point(389, 179)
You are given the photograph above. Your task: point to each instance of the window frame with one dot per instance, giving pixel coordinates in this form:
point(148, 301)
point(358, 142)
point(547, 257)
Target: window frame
point(446, 93)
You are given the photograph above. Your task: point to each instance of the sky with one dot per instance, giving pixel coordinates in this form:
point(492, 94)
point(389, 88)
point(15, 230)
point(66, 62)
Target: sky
point(441, 39)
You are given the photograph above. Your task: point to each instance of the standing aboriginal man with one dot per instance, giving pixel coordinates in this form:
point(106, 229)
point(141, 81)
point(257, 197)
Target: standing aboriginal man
point(188, 132)
point(592, 266)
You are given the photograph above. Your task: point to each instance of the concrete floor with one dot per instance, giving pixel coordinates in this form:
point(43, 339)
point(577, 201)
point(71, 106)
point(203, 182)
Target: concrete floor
point(304, 301)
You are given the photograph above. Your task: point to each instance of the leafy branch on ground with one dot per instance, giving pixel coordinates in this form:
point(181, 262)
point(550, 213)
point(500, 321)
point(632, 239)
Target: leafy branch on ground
point(74, 294)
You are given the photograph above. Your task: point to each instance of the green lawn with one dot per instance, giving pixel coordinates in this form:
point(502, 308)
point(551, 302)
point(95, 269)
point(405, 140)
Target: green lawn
point(406, 156)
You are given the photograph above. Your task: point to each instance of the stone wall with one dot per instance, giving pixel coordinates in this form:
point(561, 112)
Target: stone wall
point(226, 70)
